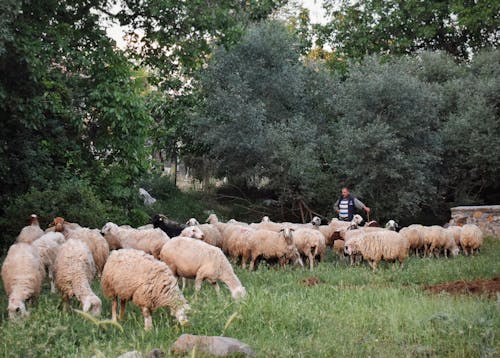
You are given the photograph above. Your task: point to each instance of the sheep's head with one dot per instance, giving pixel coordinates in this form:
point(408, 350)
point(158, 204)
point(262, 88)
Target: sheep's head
point(192, 222)
point(180, 313)
point(34, 219)
point(212, 219)
point(16, 308)
point(58, 224)
point(316, 221)
point(239, 292)
point(392, 225)
point(357, 219)
point(232, 221)
point(193, 232)
point(108, 227)
point(93, 304)
point(265, 219)
point(288, 235)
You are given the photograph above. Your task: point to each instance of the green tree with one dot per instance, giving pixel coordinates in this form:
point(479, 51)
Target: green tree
point(400, 27)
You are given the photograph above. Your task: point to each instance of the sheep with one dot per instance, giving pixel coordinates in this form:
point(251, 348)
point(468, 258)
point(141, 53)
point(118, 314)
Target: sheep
point(471, 238)
point(170, 227)
point(236, 243)
point(333, 230)
point(439, 238)
point(95, 241)
point(456, 231)
point(377, 245)
point(30, 233)
point(191, 258)
point(270, 244)
point(74, 270)
point(310, 242)
point(414, 237)
point(61, 225)
point(193, 232)
point(134, 275)
point(338, 247)
point(392, 225)
point(146, 227)
point(211, 235)
point(48, 246)
point(148, 240)
point(22, 276)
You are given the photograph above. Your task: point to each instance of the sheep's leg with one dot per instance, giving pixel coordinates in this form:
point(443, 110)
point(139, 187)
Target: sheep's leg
point(217, 288)
point(311, 261)
point(198, 281)
point(65, 304)
point(252, 263)
point(51, 279)
point(123, 303)
point(148, 319)
point(114, 305)
point(183, 284)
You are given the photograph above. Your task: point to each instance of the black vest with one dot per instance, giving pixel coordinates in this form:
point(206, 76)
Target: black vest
point(351, 208)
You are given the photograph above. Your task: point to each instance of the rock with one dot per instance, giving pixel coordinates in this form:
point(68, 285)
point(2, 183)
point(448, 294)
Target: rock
point(148, 199)
point(132, 354)
point(214, 345)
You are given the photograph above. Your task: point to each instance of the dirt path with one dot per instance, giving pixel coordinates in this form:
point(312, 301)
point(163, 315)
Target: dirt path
point(476, 287)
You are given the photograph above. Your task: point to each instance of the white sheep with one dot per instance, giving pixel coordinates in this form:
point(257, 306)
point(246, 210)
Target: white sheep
point(22, 276)
point(471, 238)
point(272, 245)
point(456, 231)
point(414, 237)
point(439, 238)
point(391, 225)
point(310, 243)
point(191, 258)
point(96, 243)
point(30, 233)
point(211, 235)
point(377, 245)
point(335, 228)
point(134, 275)
point(74, 270)
point(148, 240)
point(237, 243)
point(48, 246)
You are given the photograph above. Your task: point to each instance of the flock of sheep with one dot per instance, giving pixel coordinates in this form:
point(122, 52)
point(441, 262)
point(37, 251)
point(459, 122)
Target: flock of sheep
point(145, 263)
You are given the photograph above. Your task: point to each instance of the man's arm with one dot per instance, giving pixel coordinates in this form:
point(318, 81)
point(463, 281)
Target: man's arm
point(360, 206)
point(336, 205)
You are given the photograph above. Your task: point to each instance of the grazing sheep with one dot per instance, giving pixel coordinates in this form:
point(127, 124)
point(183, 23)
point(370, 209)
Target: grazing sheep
point(392, 225)
point(191, 258)
point(439, 238)
point(270, 244)
point(414, 237)
point(48, 246)
point(471, 238)
point(148, 240)
point(450, 246)
point(310, 243)
point(456, 231)
point(170, 227)
point(30, 233)
point(237, 243)
point(74, 270)
point(95, 242)
point(377, 245)
point(22, 276)
point(134, 275)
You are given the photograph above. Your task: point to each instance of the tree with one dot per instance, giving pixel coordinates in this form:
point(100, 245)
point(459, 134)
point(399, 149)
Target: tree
point(401, 27)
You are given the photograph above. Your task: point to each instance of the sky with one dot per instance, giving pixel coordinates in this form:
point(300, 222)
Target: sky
point(316, 14)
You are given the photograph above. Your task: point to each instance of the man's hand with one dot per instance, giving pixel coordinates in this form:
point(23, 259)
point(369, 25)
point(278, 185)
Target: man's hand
point(367, 209)
point(337, 210)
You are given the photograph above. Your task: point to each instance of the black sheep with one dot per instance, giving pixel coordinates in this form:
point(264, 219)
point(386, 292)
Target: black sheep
point(170, 227)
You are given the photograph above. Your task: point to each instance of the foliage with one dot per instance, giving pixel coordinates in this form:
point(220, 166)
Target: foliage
point(361, 28)
point(386, 313)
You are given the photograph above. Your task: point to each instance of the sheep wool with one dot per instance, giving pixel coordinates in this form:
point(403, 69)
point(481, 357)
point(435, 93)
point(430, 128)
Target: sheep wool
point(134, 275)
point(30, 233)
point(96, 243)
point(22, 276)
point(191, 258)
point(48, 246)
point(414, 237)
point(74, 270)
point(471, 238)
point(310, 243)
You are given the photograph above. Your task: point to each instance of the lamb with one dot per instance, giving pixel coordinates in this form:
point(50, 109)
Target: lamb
point(378, 245)
point(134, 275)
point(270, 244)
point(74, 270)
point(392, 225)
point(148, 240)
point(95, 242)
point(22, 276)
point(471, 238)
point(30, 233)
point(414, 237)
point(48, 246)
point(191, 258)
point(170, 227)
point(311, 243)
point(211, 235)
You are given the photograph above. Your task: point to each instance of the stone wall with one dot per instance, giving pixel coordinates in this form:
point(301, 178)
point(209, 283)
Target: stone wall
point(486, 217)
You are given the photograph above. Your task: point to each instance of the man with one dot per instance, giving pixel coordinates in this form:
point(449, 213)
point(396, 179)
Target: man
point(347, 204)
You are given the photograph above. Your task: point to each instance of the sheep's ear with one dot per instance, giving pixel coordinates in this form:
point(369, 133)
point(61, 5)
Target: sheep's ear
point(292, 229)
point(282, 230)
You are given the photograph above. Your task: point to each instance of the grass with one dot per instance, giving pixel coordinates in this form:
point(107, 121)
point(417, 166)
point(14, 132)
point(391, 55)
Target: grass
point(354, 312)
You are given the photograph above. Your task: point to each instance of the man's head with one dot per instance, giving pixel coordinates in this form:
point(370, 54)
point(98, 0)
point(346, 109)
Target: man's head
point(345, 192)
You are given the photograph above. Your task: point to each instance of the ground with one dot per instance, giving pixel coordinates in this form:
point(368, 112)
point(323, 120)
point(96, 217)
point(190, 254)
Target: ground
point(336, 310)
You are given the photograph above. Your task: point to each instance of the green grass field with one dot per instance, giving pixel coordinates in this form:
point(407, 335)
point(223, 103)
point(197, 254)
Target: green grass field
point(354, 312)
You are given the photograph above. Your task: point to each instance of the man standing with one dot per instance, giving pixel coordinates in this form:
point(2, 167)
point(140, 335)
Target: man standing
point(347, 204)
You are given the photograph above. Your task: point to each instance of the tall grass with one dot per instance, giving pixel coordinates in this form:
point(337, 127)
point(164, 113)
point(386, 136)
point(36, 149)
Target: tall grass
point(353, 312)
